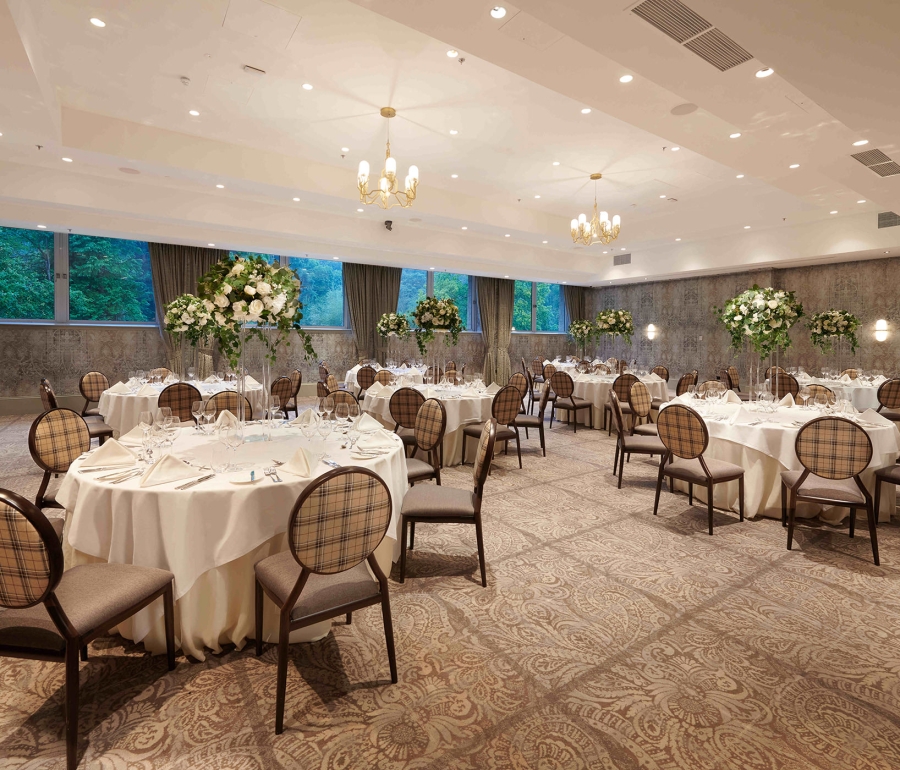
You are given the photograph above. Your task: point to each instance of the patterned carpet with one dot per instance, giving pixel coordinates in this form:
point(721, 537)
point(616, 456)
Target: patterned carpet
point(606, 638)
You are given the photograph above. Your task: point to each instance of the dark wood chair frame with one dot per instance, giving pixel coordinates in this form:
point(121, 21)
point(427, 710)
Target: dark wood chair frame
point(39, 499)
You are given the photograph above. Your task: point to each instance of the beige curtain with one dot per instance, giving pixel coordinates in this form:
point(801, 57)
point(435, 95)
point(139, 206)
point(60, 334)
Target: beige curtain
point(176, 270)
point(575, 301)
point(495, 304)
point(371, 290)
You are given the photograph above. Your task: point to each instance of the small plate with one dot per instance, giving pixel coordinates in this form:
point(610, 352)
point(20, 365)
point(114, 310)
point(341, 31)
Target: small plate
point(243, 477)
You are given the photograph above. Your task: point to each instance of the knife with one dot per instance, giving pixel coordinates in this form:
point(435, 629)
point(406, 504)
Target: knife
point(118, 473)
point(133, 475)
point(196, 481)
point(105, 468)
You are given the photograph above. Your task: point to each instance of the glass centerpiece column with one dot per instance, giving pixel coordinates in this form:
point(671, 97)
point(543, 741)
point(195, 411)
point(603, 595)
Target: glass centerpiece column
point(188, 319)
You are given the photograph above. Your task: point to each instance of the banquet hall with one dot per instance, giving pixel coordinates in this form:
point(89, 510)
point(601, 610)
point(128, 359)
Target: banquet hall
point(429, 385)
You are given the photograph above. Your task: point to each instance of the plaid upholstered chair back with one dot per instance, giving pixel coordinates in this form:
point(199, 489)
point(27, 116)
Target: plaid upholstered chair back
point(815, 389)
point(339, 520)
point(684, 383)
point(179, 396)
point(296, 382)
point(365, 377)
point(602, 369)
point(452, 376)
point(622, 386)
point(160, 371)
point(284, 389)
point(705, 388)
point(31, 559)
point(640, 400)
point(519, 382)
point(661, 371)
point(436, 372)
point(562, 384)
point(613, 364)
point(331, 382)
point(537, 367)
point(549, 370)
point(682, 431)
point(545, 398)
point(784, 383)
point(450, 365)
point(57, 438)
point(524, 366)
point(343, 397)
point(888, 394)
point(505, 405)
point(851, 373)
point(734, 378)
point(616, 409)
point(404, 406)
point(321, 390)
point(229, 399)
point(484, 455)
point(48, 397)
point(323, 371)
point(833, 448)
point(92, 386)
point(771, 369)
point(431, 421)
point(384, 377)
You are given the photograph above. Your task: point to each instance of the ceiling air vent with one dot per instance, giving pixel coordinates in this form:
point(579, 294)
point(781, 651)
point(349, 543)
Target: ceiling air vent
point(621, 259)
point(886, 169)
point(691, 30)
point(888, 219)
point(878, 162)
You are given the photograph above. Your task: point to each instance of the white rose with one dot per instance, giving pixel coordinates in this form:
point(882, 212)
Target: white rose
point(220, 319)
point(256, 307)
point(208, 306)
point(186, 317)
point(221, 300)
point(278, 303)
point(248, 289)
point(773, 303)
point(263, 288)
point(226, 289)
point(238, 268)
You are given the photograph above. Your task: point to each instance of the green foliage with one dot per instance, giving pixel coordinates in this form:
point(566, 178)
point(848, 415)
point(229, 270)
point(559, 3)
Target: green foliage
point(322, 294)
point(547, 310)
point(521, 320)
point(412, 290)
point(762, 317)
point(433, 314)
point(454, 286)
point(26, 274)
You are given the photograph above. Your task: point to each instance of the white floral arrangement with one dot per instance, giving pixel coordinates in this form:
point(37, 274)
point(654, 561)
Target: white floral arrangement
point(432, 315)
point(190, 316)
point(393, 325)
point(253, 291)
point(833, 325)
point(582, 330)
point(615, 323)
point(762, 317)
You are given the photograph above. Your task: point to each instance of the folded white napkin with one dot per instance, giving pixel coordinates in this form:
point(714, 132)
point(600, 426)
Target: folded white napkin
point(226, 419)
point(374, 389)
point(742, 417)
point(546, 362)
point(380, 439)
point(492, 388)
point(386, 392)
point(147, 390)
point(134, 437)
point(870, 415)
point(167, 468)
point(404, 367)
point(788, 400)
point(684, 398)
point(879, 379)
point(120, 387)
point(306, 417)
point(732, 398)
point(654, 377)
point(170, 379)
point(110, 455)
point(470, 392)
point(298, 465)
point(249, 382)
point(845, 378)
point(368, 423)
point(211, 379)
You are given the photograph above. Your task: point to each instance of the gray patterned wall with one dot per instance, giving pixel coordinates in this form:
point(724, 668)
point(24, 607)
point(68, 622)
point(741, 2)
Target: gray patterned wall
point(689, 335)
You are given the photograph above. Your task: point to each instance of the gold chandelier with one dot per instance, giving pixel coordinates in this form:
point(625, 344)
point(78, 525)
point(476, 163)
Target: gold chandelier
point(387, 195)
point(600, 229)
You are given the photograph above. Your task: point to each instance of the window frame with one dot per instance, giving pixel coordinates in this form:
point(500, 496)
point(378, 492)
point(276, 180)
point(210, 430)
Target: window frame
point(533, 329)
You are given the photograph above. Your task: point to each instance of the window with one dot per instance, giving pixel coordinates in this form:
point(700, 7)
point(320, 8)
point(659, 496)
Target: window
point(109, 280)
point(322, 293)
point(413, 287)
point(547, 307)
point(454, 286)
point(270, 258)
point(522, 307)
point(26, 274)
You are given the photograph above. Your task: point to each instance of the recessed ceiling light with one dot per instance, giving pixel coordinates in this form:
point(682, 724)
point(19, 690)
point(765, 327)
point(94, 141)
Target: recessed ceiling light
point(1, 134)
point(452, 53)
point(860, 201)
point(735, 135)
point(794, 165)
point(555, 163)
point(465, 228)
point(545, 241)
point(746, 227)
point(42, 227)
point(453, 132)
point(764, 73)
point(506, 276)
point(860, 143)
point(498, 11)
point(833, 212)
point(537, 196)
point(345, 149)
point(336, 258)
point(454, 176)
point(296, 200)
point(606, 252)
point(220, 186)
point(626, 78)
point(887, 252)
point(431, 268)
point(98, 22)
point(195, 113)
point(662, 196)
point(67, 160)
point(565, 281)
point(307, 86)
point(210, 244)
point(739, 176)
point(359, 211)
point(678, 239)
point(506, 236)
point(675, 149)
point(586, 111)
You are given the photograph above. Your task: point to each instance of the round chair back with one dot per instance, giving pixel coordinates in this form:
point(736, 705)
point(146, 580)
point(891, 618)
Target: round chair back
point(622, 386)
point(452, 376)
point(296, 382)
point(537, 367)
point(484, 455)
point(682, 431)
point(321, 389)
point(734, 378)
point(365, 377)
point(339, 520)
point(31, 558)
point(851, 373)
point(545, 397)
point(616, 408)
point(888, 394)
point(773, 369)
point(684, 383)
point(230, 400)
point(384, 376)
point(284, 389)
point(549, 370)
point(160, 371)
point(710, 386)
point(331, 382)
point(602, 369)
point(323, 371)
point(405, 405)
point(562, 384)
point(520, 383)
point(833, 448)
point(343, 397)
point(92, 386)
point(815, 389)
point(48, 397)
point(450, 365)
point(506, 405)
point(640, 400)
point(661, 371)
point(431, 421)
point(785, 383)
point(178, 397)
point(57, 438)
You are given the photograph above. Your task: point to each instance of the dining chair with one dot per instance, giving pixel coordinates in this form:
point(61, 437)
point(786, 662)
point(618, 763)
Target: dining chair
point(334, 528)
point(449, 505)
point(435, 372)
point(296, 383)
point(524, 365)
point(431, 422)
point(710, 386)
point(365, 379)
point(628, 444)
point(851, 373)
point(785, 383)
point(452, 376)
point(602, 368)
point(96, 427)
point(404, 407)
point(564, 388)
point(331, 383)
point(283, 389)
point(549, 370)
point(178, 397)
point(537, 369)
point(613, 364)
point(52, 614)
point(685, 436)
point(815, 390)
point(92, 386)
point(733, 381)
point(520, 383)
point(323, 371)
point(343, 397)
point(384, 377)
point(640, 402)
point(889, 399)
point(661, 371)
point(160, 371)
point(527, 421)
point(504, 410)
point(55, 440)
point(230, 400)
point(622, 387)
point(888, 475)
point(833, 452)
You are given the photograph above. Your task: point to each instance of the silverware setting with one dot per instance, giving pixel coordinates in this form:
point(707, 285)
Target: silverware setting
point(104, 468)
point(118, 478)
point(197, 481)
point(272, 474)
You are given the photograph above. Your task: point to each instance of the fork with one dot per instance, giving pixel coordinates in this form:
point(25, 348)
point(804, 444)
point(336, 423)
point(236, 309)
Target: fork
point(272, 474)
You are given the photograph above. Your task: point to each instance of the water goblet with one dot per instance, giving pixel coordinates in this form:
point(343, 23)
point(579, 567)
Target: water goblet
point(324, 428)
point(328, 406)
point(341, 413)
point(197, 409)
point(804, 395)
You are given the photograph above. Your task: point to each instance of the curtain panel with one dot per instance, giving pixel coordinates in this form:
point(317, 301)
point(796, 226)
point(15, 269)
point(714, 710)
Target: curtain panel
point(495, 304)
point(575, 301)
point(371, 290)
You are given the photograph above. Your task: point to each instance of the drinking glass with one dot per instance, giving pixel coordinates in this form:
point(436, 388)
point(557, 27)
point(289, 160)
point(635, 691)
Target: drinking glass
point(324, 428)
point(329, 407)
point(320, 408)
point(146, 421)
point(232, 436)
point(164, 416)
point(804, 395)
point(821, 402)
point(341, 413)
point(353, 413)
point(209, 420)
point(197, 409)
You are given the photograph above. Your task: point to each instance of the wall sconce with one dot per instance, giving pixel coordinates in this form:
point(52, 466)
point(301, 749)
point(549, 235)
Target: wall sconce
point(651, 332)
point(881, 330)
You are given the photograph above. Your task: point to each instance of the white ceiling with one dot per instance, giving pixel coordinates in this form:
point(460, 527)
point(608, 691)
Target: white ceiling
point(113, 97)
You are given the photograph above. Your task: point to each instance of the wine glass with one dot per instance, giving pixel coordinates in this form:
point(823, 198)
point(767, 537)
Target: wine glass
point(232, 436)
point(821, 402)
point(320, 408)
point(146, 421)
point(804, 395)
point(164, 416)
point(324, 428)
point(329, 407)
point(341, 412)
point(197, 409)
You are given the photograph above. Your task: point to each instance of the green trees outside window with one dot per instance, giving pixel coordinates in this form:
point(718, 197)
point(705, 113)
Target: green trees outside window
point(26, 274)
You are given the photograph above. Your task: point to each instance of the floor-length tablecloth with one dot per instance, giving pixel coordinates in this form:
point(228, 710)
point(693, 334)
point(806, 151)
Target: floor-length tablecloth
point(209, 536)
point(595, 388)
point(415, 376)
point(863, 395)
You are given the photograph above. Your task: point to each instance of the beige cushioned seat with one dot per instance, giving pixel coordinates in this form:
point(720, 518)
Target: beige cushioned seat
point(92, 412)
point(528, 421)
point(691, 470)
point(890, 474)
point(418, 469)
point(57, 523)
point(647, 429)
point(890, 414)
point(816, 486)
point(96, 427)
point(473, 429)
point(431, 500)
point(30, 628)
point(575, 401)
point(504, 433)
point(279, 573)
point(644, 444)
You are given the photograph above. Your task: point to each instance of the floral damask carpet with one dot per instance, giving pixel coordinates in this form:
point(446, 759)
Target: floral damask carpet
point(606, 638)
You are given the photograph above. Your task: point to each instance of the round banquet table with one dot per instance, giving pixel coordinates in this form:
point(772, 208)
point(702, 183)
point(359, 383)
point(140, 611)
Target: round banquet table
point(863, 395)
point(595, 388)
point(461, 410)
point(122, 411)
point(209, 536)
point(410, 371)
point(764, 451)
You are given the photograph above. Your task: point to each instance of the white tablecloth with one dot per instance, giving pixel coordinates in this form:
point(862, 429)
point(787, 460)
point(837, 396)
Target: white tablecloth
point(460, 411)
point(350, 377)
point(862, 395)
point(122, 412)
point(209, 536)
point(765, 450)
point(595, 388)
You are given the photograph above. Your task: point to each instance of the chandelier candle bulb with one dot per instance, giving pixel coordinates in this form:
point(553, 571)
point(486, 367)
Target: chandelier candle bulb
point(363, 171)
point(390, 167)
